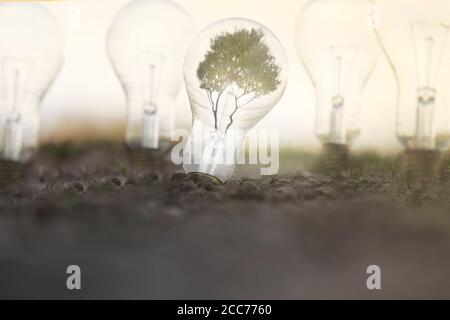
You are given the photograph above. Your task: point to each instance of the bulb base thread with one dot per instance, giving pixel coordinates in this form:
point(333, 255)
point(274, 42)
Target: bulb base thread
point(335, 157)
point(422, 166)
point(445, 168)
point(143, 158)
point(10, 172)
point(147, 158)
point(200, 177)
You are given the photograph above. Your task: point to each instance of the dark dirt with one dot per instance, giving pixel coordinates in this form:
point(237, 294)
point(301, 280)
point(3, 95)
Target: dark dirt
point(157, 233)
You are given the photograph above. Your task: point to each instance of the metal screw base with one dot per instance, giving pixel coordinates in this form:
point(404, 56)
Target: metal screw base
point(143, 158)
point(422, 166)
point(335, 157)
point(10, 172)
point(445, 168)
point(150, 158)
point(200, 177)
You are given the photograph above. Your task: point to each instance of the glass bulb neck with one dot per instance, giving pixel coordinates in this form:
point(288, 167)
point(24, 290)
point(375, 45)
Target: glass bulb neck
point(337, 129)
point(213, 155)
point(12, 139)
point(150, 130)
point(150, 123)
point(143, 132)
point(425, 113)
point(212, 152)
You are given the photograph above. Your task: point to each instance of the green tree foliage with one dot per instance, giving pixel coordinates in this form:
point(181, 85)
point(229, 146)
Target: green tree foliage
point(242, 62)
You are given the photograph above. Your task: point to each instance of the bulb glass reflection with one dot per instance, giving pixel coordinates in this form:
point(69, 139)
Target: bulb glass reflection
point(415, 36)
point(336, 42)
point(146, 44)
point(235, 73)
point(30, 58)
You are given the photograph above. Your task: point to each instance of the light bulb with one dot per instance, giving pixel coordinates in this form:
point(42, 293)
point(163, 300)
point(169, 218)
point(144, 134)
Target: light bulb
point(235, 73)
point(336, 42)
point(415, 36)
point(146, 44)
point(30, 57)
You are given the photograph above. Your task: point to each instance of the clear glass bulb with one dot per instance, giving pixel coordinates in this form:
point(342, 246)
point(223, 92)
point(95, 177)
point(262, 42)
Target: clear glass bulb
point(30, 57)
point(146, 45)
point(415, 36)
point(235, 73)
point(336, 42)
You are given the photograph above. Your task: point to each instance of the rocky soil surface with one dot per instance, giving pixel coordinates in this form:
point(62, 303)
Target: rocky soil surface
point(156, 233)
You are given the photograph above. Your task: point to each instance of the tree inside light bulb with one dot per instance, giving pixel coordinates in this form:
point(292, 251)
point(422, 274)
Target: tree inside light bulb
point(237, 70)
point(30, 58)
point(235, 73)
point(146, 44)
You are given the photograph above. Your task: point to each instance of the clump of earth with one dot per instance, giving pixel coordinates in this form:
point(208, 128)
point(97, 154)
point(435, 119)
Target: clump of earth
point(156, 233)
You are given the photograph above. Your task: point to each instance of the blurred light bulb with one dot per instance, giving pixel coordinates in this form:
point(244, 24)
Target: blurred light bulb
point(235, 73)
point(146, 44)
point(415, 36)
point(30, 57)
point(336, 42)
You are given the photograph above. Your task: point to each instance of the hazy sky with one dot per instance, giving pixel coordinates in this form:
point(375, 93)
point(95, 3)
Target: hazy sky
point(87, 95)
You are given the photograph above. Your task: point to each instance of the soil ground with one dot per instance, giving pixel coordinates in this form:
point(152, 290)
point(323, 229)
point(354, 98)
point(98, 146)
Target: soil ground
point(157, 234)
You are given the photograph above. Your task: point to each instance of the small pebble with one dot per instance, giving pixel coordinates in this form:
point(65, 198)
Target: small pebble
point(76, 186)
point(306, 185)
point(248, 190)
point(178, 176)
point(312, 181)
point(232, 186)
point(204, 181)
point(287, 191)
point(326, 191)
point(117, 182)
point(150, 177)
point(284, 181)
point(187, 186)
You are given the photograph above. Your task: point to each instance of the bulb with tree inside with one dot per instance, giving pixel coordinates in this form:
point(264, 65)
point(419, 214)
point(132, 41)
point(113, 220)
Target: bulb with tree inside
point(235, 73)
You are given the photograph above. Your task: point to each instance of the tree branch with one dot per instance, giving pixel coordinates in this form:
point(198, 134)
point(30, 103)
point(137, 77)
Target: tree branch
point(216, 108)
point(232, 115)
point(209, 93)
point(237, 108)
point(254, 97)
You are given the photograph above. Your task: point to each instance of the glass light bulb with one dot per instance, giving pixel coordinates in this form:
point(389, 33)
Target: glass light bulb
point(415, 35)
point(146, 44)
point(336, 42)
point(235, 73)
point(30, 57)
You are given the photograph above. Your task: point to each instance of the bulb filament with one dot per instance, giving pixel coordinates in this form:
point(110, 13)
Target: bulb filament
point(344, 57)
point(17, 73)
point(430, 42)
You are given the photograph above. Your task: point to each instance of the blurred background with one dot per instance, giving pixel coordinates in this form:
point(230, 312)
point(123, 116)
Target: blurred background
point(87, 101)
point(157, 233)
